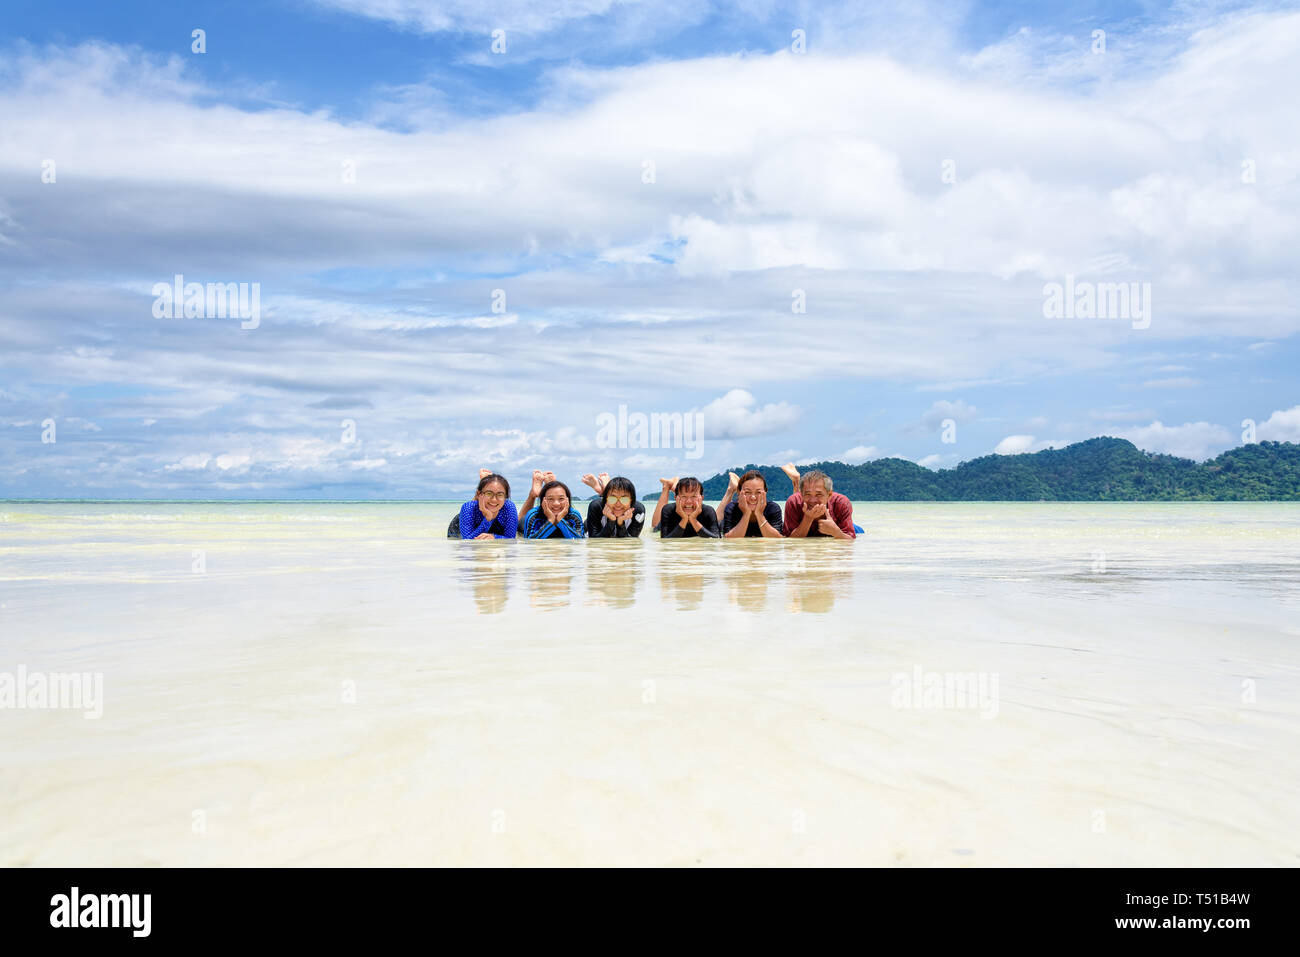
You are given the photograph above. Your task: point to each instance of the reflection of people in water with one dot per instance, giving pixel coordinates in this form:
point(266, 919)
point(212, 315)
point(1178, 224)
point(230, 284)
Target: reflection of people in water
point(613, 575)
point(486, 572)
point(747, 577)
point(683, 578)
point(551, 580)
point(814, 578)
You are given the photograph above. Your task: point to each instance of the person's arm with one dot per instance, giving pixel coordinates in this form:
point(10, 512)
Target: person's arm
point(769, 524)
point(797, 519)
point(668, 485)
point(671, 526)
point(597, 527)
point(470, 526)
point(509, 520)
point(570, 526)
point(844, 520)
point(633, 528)
point(739, 521)
point(706, 523)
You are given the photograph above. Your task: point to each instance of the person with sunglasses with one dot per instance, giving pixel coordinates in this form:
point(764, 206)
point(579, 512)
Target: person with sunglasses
point(617, 513)
point(489, 514)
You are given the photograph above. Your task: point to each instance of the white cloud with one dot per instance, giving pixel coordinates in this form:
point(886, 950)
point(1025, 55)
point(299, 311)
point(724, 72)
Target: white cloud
point(1282, 426)
point(475, 16)
point(1191, 440)
point(233, 461)
point(859, 454)
point(779, 175)
point(196, 461)
point(1020, 444)
point(736, 415)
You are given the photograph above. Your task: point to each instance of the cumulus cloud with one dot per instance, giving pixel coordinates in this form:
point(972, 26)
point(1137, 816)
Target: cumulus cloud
point(1282, 426)
point(737, 415)
point(1020, 444)
point(1191, 440)
point(859, 454)
point(780, 176)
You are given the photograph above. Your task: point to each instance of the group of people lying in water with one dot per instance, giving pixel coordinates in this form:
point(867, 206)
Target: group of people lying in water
point(814, 509)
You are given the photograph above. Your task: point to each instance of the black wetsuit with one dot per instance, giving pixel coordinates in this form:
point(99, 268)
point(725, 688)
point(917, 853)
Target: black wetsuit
point(733, 516)
point(600, 527)
point(670, 526)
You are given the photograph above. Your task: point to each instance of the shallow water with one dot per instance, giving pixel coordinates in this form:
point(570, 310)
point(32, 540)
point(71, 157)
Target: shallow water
point(304, 683)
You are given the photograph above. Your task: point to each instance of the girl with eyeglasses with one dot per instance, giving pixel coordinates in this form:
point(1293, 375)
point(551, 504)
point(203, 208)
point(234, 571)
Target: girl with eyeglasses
point(617, 513)
point(489, 514)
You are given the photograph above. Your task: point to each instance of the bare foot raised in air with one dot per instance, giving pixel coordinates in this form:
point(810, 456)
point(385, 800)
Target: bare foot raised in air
point(484, 473)
point(792, 474)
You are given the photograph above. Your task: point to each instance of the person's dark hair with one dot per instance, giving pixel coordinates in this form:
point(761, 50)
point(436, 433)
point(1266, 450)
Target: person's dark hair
point(688, 484)
point(555, 483)
point(617, 484)
point(487, 480)
point(750, 475)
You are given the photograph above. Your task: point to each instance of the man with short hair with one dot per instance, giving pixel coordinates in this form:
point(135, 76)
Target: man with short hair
point(817, 510)
point(687, 516)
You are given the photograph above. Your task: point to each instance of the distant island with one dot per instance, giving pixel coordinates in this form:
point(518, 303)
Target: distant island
point(1097, 470)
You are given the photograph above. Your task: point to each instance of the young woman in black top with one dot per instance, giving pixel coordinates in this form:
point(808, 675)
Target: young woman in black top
point(752, 515)
point(617, 513)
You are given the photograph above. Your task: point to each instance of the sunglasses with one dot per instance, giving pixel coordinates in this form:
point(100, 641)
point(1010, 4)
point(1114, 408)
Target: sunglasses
point(620, 499)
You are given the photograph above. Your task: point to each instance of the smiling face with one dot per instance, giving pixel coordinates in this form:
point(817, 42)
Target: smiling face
point(620, 503)
point(814, 494)
point(491, 498)
point(555, 503)
point(690, 499)
point(754, 493)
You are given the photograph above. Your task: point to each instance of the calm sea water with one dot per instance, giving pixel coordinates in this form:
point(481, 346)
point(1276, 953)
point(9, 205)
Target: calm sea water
point(967, 684)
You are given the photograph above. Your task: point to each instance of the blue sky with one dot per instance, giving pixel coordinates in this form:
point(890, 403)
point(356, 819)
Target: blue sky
point(916, 174)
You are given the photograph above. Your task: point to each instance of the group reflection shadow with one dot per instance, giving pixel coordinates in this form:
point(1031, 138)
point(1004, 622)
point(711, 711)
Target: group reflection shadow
point(485, 572)
point(814, 574)
point(549, 571)
point(748, 572)
point(614, 572)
